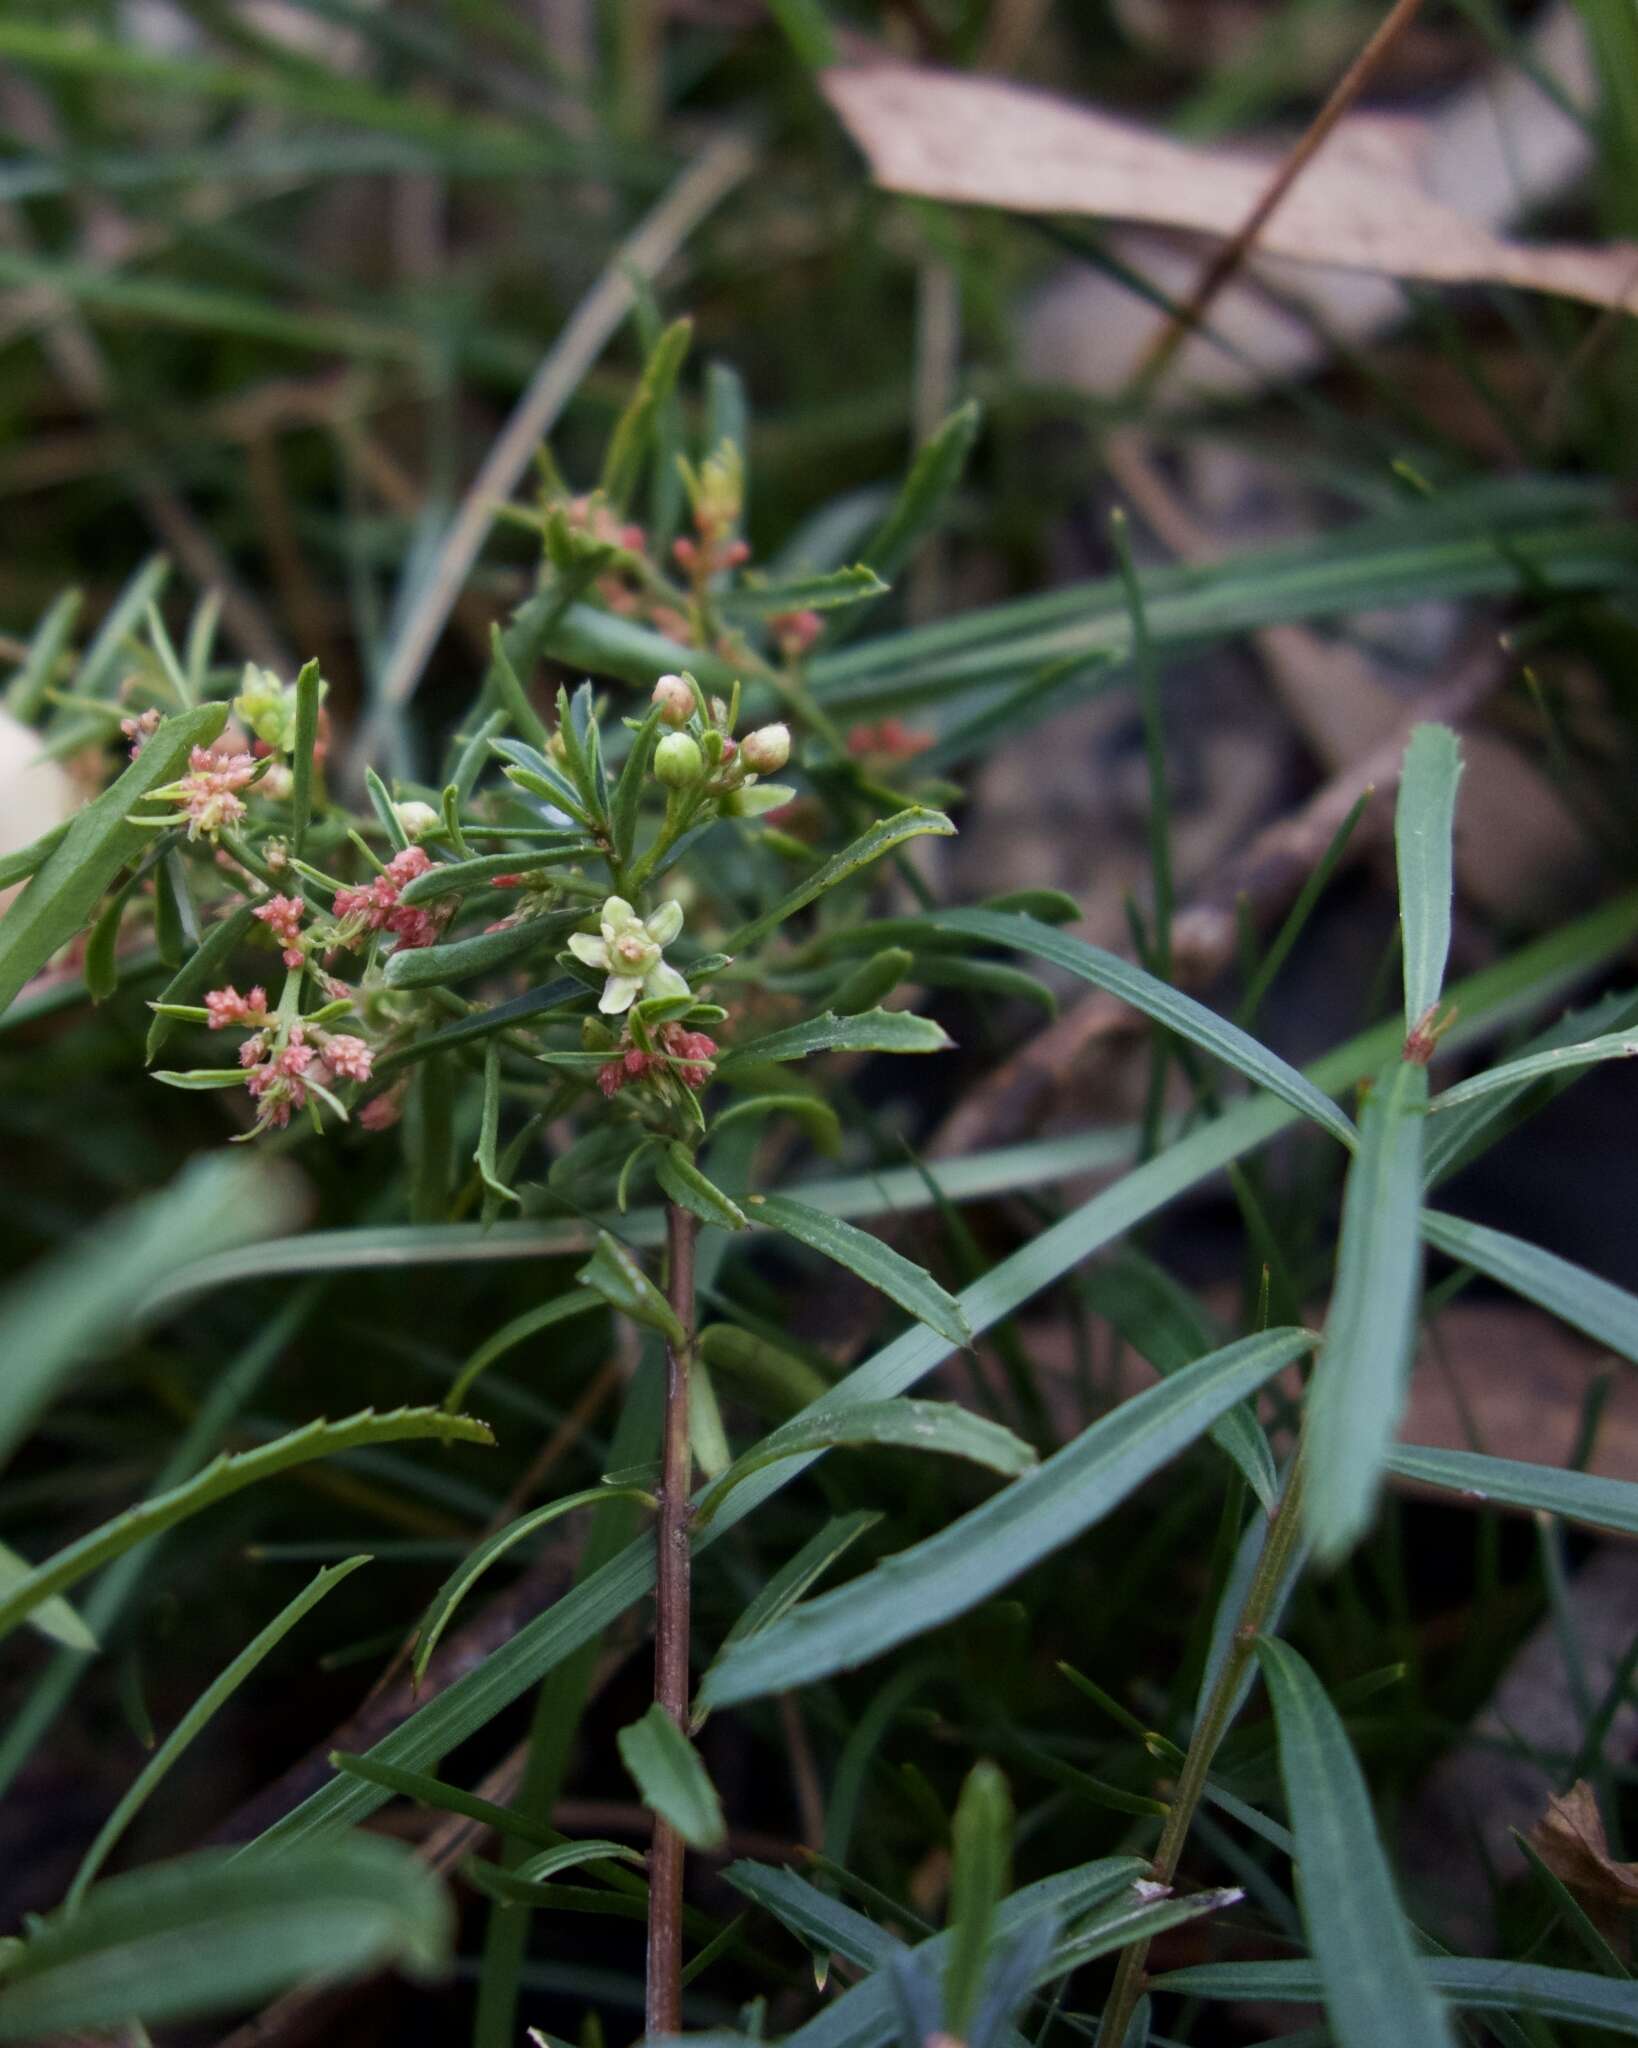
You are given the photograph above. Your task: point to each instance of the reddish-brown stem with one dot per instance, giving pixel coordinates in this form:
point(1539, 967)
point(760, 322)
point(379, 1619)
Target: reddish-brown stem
point(663, 2011)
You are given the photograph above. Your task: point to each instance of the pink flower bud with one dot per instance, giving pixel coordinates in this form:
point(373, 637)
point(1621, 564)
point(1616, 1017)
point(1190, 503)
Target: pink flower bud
point(675, 699)
point(766, 750)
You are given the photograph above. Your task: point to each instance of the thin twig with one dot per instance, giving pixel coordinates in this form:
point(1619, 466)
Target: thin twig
point(582, 340)
point(663, 2010)
point(1234, 252)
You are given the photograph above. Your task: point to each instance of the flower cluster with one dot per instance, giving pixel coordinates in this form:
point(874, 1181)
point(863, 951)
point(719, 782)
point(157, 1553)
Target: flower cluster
point(375, 906)
point(286, 1060)
point(687, 1054)
point(714, 763)
point(283, 915)
point(209, 793)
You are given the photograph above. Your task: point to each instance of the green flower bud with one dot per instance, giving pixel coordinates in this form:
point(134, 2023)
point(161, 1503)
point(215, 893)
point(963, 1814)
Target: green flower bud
point(678, 762)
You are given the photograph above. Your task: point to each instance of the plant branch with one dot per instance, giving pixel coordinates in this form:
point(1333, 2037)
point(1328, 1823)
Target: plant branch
point(663, 2013)
point(1262, 1596)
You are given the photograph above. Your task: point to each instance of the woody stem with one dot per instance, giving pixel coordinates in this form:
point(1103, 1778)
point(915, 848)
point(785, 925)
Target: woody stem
point(663, 2012)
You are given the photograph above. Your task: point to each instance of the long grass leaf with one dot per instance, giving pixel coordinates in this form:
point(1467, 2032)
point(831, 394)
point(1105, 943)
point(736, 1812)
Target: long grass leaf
point(970, 1559)
point(207, 1934)
point(1600, 1310)
point(1543, 1489)
point(196, 1720)
point(1476, 1984)
point(1423, 824)
point(876, 1263)
point(1373, 1988)
point(89, 1296)
point(1156, 999)
point(1364, 1363)
point(227, 1475)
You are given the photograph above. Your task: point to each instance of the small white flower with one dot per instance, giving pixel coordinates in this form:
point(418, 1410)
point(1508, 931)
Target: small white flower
point(629, 951)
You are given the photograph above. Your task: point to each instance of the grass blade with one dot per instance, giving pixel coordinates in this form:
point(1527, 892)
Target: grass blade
point(207, 1933)
point(226, 1475)
point(81, 1301)
point(477, 1561)
point(1476, 1984)
point(1360, 1378)
point(1422, 842)
point(900, 1424)
point(1156, 999)
point(1543, 1489)
point(1607, 1314)
point(931, 1583)
point(196, 1719)
point(877, 1264)
point(1540, 1066)
point(1373, 1987)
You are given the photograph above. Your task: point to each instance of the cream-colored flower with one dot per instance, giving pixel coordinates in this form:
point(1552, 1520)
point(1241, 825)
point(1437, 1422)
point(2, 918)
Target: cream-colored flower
point(629, 949)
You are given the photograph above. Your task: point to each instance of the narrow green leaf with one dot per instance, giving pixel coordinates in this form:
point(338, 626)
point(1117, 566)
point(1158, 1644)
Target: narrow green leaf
point(532, 769)
point(223, 1476)
point(195, 1720)
point(684, 1184)
point(882, 837)
point(981, 1862)
point(477, 1561)
point(668, 1773)
point(568, 1855)
point(104, 661)
point(100, 963)
point(626, 805)
point(1543, 1489)
point(1539, 1066)
point(91, 1294)
point(603, 643)
point(869, 1031)
point(634, 430)
point(26, 692)
point(385, 810)
point(1607, 1314)
point(876, 1263)
point(1422, 840)
point(461, 959)
point(814, 1114)
point(1164, 1323)
point(483, 1023)
point(926, 492)
point(1156, 999)
point(53, 1618)
point(57, 902)
point(952, 1572)
point(898, 1425)
point(1370, 1334)
point(871, 981)
point(793, 1578)
point(1373, 1987)
point(309, 695)
point(578, 1302)
point(442, 1798)
point(1477, 1984)
point(827, 593)
point(18, 866)
point(617, 1275)
point(210, 1932)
